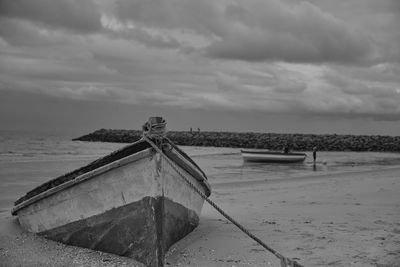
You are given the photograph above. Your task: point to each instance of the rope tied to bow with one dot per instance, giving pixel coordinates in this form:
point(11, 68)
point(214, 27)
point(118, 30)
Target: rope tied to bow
point(156, 130)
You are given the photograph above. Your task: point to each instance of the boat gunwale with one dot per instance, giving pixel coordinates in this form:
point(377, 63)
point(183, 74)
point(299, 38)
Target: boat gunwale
point(84, 177)
point(189, 166)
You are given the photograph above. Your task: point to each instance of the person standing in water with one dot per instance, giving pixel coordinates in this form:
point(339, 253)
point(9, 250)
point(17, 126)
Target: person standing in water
point(314, 153)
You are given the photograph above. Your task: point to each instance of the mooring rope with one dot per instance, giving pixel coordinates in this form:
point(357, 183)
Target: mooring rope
point(285, 262)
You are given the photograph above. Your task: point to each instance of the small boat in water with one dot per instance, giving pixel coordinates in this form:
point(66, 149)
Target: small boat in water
point(134, 202)
point(263, 155)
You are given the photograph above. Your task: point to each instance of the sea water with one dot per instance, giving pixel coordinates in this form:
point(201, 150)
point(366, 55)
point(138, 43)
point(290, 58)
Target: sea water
point(28, 160)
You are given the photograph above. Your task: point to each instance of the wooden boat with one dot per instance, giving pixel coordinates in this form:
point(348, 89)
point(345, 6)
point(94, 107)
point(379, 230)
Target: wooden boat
point(263, 155)
point(131, 203)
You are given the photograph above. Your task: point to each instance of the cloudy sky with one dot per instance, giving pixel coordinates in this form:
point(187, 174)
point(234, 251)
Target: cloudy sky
point(316, 66)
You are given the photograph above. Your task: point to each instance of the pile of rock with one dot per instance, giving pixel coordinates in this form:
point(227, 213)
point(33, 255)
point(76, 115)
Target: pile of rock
point(273, 141)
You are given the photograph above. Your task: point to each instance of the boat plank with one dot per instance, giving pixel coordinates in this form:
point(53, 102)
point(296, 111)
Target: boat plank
point(82, 178)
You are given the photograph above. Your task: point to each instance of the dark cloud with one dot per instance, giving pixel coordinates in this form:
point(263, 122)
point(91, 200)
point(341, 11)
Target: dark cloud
point(18, 32)
point(289, 48)
point(155, 40)
point(253, 56)
point(257, 30)
point(203, 17)
point(378, 81)
point(378, 20)
point(301, 33)
point(290, 86)
point(78, 16)
point(140, 35)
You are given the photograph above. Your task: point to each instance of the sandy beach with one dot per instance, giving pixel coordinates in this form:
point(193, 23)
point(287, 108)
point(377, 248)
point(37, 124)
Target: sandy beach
point(348, 219)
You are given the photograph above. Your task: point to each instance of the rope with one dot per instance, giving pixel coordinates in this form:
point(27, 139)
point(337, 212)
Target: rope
point(155, 127)
point(285, 262)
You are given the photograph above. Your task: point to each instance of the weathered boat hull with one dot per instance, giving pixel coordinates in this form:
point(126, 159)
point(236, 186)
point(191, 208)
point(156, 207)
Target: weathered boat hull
point(272, 156)
point(137, 206)
point(133, 230)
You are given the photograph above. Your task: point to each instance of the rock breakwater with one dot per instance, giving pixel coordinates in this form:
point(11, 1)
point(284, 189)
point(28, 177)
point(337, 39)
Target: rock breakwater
point(273, 141)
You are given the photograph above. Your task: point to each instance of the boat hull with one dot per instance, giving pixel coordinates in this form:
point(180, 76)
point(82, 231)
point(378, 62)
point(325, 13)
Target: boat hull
point(132, 230)
point(272, 156)
point(137, 207)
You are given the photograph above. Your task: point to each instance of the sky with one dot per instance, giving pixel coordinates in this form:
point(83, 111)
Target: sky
point(285, 66)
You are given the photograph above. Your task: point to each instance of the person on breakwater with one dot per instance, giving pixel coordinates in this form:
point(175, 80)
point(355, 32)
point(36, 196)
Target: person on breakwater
point(287, 147)
point(314, 153)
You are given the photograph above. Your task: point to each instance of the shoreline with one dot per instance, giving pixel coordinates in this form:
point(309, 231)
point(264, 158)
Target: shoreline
point(339, 219)
point(336, 175)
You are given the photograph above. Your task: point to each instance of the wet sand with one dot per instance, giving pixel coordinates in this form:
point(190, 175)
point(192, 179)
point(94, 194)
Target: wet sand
point(349, 219)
